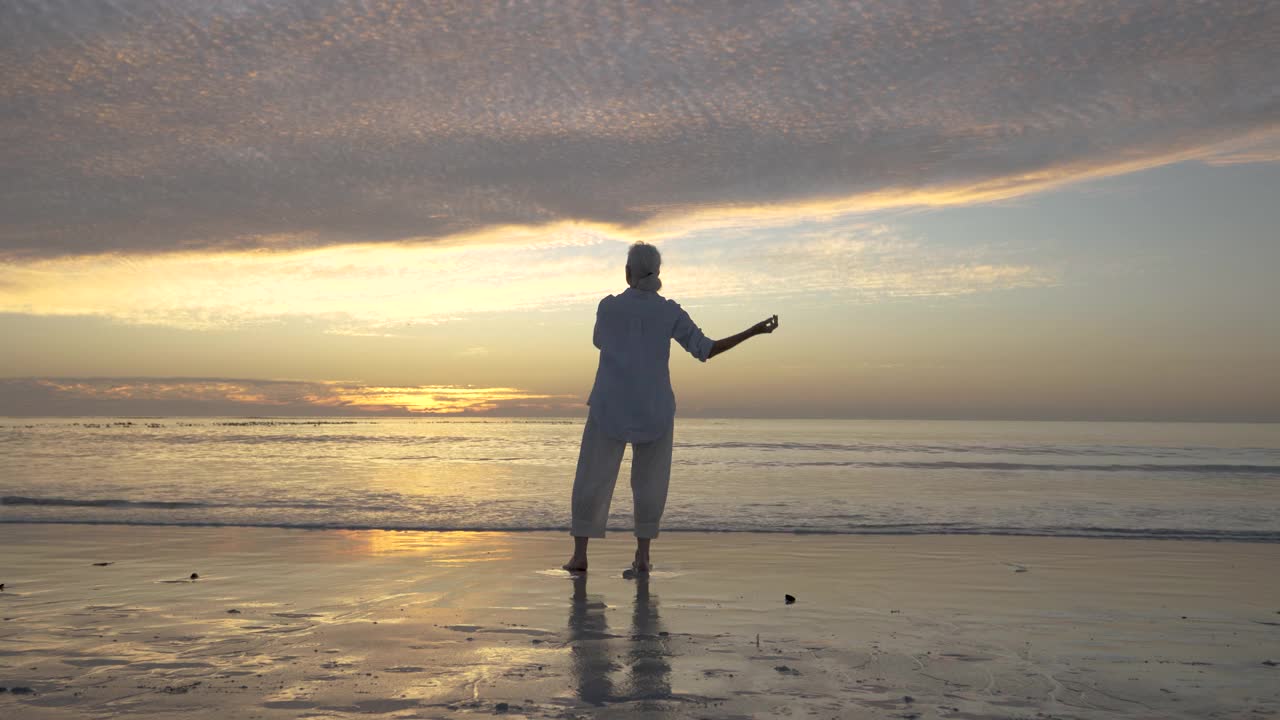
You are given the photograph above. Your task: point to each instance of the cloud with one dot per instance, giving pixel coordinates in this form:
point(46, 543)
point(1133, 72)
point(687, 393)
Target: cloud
point(140, 126)
point(229, 396)
point(1264, 148)
point(384, 289)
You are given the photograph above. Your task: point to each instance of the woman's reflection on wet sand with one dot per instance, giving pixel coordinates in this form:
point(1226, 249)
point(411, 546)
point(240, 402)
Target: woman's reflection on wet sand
point(650, 673)
point(589, 648)
point(648, 668)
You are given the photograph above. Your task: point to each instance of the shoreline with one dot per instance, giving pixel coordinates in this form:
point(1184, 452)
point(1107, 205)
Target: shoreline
point(337, 623)
point(1261, 537)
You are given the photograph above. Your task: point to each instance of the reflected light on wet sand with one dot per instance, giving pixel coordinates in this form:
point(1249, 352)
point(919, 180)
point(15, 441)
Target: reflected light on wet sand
point(443, 548)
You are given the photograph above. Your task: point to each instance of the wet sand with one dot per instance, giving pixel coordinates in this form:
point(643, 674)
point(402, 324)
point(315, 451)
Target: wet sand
point(336, 624)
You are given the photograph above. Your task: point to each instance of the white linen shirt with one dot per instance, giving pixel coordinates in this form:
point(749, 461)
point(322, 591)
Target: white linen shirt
point(632, 399)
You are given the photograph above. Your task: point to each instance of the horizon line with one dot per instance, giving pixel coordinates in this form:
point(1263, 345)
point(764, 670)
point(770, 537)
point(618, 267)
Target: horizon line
point(477, 417)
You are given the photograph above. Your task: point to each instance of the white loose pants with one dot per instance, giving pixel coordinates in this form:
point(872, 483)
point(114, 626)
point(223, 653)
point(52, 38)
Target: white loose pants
point(598, 464)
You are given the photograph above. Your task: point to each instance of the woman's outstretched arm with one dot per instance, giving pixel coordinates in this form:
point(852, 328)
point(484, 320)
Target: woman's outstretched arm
point(764, 327)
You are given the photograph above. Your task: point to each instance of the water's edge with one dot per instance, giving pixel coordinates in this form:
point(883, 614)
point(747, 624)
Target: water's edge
point(900, 530)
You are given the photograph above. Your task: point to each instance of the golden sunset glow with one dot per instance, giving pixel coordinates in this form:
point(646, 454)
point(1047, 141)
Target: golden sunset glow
point(374, 288)
point(326, 395)
point(439, 399)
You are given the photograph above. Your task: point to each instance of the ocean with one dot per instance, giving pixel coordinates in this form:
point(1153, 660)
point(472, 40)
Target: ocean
point(1080, 479)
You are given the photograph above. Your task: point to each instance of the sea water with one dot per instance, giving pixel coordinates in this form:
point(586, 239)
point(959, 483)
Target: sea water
point(1164, 480)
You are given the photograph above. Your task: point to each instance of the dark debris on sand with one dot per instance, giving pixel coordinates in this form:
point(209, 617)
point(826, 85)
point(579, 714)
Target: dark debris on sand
point(182, 689)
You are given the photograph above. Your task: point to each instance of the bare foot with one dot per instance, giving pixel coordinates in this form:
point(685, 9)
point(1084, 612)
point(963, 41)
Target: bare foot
point(636, 570)
point(641, 564)
point(576, 564)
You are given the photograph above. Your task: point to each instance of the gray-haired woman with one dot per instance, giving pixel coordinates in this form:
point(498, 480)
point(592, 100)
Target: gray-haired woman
point(632, 402)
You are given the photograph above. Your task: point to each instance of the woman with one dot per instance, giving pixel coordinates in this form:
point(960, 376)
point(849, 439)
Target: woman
point(632, 402)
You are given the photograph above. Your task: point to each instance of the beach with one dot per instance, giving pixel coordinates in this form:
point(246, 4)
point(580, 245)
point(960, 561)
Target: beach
point(107, 621)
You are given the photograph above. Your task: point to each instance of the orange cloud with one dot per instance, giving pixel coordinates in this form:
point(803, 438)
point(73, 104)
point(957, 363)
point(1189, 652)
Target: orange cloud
point(425, 399)
point(140, 396)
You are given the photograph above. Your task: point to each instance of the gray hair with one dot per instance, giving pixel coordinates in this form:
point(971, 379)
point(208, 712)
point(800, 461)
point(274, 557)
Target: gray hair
point(645, 262)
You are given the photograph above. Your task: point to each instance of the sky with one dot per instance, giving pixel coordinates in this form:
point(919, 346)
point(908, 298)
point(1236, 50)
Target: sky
point(989, 210)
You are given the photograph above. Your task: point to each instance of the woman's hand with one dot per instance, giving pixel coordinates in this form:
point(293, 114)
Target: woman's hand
point(764, 327)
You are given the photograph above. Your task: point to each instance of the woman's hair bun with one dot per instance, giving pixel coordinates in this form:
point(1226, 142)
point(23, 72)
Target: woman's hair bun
point(646, 263)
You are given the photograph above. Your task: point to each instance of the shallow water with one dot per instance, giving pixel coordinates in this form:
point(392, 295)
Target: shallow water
point(1180, 480)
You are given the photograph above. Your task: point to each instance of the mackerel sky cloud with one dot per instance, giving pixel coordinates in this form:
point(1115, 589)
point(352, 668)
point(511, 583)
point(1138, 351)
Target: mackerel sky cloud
point(145, 127)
